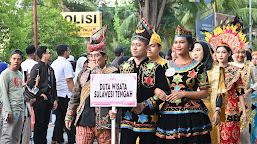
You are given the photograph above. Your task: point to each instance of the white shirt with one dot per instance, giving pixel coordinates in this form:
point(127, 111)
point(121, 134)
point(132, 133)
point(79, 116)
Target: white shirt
point(62, 70)
point(27, 65)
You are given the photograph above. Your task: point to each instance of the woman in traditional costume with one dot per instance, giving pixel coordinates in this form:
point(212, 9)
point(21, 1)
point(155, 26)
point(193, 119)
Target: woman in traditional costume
point(203, 53)
point(225, 41)
point(184, 117)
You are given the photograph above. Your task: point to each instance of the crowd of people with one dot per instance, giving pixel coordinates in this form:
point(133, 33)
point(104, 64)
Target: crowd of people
point(200, 93)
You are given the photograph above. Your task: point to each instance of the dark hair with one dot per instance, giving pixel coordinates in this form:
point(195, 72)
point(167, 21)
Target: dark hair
point(103, 54)
point(248, 55)
point(207, 55)
point(159, 45)
point(161, 54)
point(230, 59)
point(168, 55)
point(60, 49)
point(17, 51)
point(83, 55)
point(41, 50)
point(118, 51)
point(30, 50)
point(191, 42)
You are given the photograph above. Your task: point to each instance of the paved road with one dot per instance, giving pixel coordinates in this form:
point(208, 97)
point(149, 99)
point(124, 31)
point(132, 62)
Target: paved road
point(50, 132)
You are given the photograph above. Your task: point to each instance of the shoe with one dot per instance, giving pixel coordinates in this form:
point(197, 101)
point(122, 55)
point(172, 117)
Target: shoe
point(53, 142)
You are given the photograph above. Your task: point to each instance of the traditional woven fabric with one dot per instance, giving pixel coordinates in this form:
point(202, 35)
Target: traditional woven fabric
point(87, 135)
point(188, 118)
point(230, 125)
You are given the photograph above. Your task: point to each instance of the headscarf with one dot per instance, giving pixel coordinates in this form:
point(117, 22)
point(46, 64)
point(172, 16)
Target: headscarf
point(79, 67)
point(207, 55)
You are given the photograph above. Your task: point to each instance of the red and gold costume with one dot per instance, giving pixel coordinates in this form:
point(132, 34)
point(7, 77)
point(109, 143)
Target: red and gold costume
point(229, 129)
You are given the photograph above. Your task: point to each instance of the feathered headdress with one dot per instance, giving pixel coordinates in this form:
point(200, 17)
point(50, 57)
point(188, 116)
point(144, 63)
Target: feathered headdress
point(228, 35)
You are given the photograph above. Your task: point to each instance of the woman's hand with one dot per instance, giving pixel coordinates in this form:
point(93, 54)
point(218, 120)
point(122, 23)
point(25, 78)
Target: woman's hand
point(216, 119)
point(175, 96)
point(160, 94)
point(245, 117)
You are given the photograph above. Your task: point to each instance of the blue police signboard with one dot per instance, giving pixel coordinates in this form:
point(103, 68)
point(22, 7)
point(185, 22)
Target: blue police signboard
point(205, 20)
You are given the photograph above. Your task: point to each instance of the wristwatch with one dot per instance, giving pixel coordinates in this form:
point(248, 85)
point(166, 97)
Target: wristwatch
point(145, 104)
point(219, 111)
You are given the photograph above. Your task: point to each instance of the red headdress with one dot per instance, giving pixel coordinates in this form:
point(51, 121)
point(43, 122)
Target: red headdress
point(98, 41)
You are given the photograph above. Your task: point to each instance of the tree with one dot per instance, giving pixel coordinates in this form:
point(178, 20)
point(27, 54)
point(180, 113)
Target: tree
point(18, 29)
point(152, 11)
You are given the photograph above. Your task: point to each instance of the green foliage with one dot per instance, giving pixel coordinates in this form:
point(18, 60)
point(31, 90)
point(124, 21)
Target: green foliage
point(240, 8)
point(12, 36)
point(53, 30)
point(18, 29)
point(117, 25)
point(79, 6)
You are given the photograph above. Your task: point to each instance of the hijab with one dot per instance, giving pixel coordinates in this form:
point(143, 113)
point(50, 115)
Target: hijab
point(207, 54)
point(79, 67)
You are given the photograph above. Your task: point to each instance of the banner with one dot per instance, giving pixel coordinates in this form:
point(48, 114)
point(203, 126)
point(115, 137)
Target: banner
point(118, 90)
point(205, 20)
point(89, 21)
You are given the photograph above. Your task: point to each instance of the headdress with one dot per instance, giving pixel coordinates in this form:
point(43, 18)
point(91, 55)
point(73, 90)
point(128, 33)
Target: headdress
point(98, 41)
point(226, 36)
point(180, 32)
point(143, 31)
point(156, 38)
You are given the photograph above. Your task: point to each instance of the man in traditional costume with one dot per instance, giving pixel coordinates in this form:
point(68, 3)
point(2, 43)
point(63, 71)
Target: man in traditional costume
point(155, 46)
point(141, 121)
point(91, 123)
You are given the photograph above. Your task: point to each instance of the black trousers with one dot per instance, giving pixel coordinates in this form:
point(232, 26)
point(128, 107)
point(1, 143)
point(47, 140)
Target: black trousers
point(60, 113)
point(129, 137)
point(42, 109)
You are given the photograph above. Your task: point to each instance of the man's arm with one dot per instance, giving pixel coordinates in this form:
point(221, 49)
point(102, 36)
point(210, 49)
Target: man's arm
point(4, 86)
point(68, 73)
point(70, 83)
point(33, 76)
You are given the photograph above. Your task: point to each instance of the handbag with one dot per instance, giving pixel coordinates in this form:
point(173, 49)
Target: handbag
point(31, 93)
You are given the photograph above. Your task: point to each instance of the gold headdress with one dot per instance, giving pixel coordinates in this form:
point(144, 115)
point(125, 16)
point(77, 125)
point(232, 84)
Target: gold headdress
point(156, 38)
point(180, 32)
point(227, 35)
